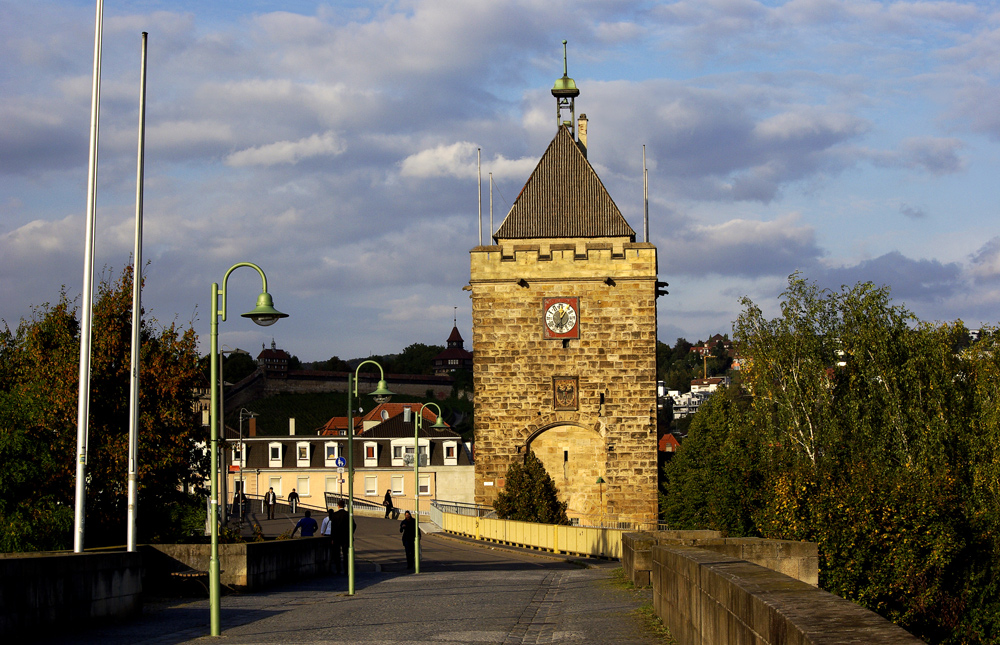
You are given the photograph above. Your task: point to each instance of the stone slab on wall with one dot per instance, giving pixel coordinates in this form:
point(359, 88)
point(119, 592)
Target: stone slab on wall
point(709, 598)
point(51, 591)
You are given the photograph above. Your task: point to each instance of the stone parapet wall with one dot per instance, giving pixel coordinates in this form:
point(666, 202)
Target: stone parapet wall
point(637, 550)
point(708, 598)
point(46, 593)
point(250, 566)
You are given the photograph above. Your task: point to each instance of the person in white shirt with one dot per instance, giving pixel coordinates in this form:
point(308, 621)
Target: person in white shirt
point(324, 528)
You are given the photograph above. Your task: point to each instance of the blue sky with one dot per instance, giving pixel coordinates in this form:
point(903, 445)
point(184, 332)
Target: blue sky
point(335, 145)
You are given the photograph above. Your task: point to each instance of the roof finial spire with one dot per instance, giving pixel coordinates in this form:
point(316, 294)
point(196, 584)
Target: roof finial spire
point(456, 316)
point(565, 91)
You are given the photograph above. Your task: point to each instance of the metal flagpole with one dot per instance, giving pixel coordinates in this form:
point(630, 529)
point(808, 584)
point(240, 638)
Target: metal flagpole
point(133, 429)
point(87, 309)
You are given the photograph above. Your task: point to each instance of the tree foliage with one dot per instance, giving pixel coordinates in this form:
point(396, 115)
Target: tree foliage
point(676, 366)
point(875, 435)
point(530, 494)
point(39, 376)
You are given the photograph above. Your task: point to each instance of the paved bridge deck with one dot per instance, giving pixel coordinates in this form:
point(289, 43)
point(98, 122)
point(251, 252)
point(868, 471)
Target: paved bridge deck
point(465, 593)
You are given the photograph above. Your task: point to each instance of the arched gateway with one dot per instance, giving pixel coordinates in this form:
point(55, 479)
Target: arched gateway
point(564, 339)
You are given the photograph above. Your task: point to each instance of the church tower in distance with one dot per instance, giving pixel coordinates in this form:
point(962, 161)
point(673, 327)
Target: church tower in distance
point(564, 339)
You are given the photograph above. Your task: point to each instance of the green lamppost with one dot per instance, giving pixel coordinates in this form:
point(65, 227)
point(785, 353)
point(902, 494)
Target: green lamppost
point(264, 314)
point(417, 424)
point(381, 395)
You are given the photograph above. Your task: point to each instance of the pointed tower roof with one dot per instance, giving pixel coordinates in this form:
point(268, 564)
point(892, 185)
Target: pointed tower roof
point(564, 197)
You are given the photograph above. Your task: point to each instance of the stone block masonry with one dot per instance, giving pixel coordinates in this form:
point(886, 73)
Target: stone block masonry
point(611, 433)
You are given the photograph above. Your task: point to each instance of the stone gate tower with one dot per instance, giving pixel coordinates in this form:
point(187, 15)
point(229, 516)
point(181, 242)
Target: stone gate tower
point(564, 339)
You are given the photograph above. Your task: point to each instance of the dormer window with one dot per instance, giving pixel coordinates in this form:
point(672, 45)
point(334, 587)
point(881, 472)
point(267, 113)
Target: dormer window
point(332, 451)
point(450, 453)
point(302, 454)
point(274, 454)
point(371, 454)
point(239, 455)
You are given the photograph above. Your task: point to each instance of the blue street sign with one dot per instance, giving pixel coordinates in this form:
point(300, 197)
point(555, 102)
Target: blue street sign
point(341, 462)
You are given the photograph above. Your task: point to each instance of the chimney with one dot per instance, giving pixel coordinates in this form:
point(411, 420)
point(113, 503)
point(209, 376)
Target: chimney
point(291, 426)
point(406, 414)
point(253, 426)
point(582, 131)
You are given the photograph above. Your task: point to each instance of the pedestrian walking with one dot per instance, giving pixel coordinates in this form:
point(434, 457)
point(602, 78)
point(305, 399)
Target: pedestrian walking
point(240, 505)
point(270, 500)
point(408, 527)
point(307, 524)
point(340, 536)
point(387, 502)
point(293, 500)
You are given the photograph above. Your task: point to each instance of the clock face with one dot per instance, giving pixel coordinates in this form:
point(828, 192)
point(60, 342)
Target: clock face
point(561, 317)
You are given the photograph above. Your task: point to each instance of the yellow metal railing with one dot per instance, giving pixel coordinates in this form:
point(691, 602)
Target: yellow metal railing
point(573, 540)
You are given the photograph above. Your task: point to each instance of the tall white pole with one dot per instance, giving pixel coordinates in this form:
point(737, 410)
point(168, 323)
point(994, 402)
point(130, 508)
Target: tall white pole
point(133, 428)
point(491, 208)
point(479, 171)
point(87, 310)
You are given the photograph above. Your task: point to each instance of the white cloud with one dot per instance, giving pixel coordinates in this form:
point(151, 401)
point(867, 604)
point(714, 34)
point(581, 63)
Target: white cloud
point(741, 247)
point(458, 160)
point(289, 152)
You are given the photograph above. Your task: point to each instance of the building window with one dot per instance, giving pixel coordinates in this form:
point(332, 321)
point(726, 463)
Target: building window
point(371, 454)
point(302, 486)
point(274, 455)
point(425, 485)
point(239, 454)
point(275, 483)
point(371, 485)
point(332, 485)
point(450, 453)
point(397, 484)
point(302, 454)
point(332, 450)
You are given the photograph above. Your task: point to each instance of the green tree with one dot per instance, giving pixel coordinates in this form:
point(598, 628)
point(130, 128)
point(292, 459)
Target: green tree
point(235, 367)
point(871, 433)
point(530, 495)
point(38, 401)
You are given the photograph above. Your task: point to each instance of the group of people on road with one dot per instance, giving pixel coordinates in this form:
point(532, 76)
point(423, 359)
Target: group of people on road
point(241, 506)
point(335, 525)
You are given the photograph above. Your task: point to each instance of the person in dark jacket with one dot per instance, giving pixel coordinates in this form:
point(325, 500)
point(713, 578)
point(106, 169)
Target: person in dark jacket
point(340, 537)
point(270, 500)
point(293, 500)
point(387, 502)
point(408, 527)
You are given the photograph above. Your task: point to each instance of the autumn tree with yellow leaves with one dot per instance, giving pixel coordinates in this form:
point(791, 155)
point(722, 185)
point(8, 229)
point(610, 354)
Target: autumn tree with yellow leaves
point(39, 377)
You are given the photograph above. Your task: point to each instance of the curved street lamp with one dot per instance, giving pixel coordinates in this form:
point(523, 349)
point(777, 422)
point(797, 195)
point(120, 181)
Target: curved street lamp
point(417, 424)
point(263, 314)
point(381, 395)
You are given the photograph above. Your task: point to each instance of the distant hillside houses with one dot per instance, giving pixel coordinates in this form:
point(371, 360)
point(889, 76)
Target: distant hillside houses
point(688, 403)
point(710, 347)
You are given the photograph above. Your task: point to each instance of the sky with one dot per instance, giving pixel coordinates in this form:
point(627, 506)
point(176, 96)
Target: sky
point(335, 145)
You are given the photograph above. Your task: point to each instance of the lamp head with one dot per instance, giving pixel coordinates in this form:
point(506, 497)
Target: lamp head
point(600, 480)
point(382, 394)
point(439, 424)
point(264, 313)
